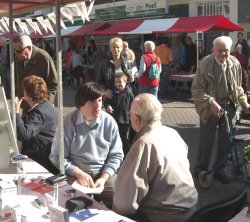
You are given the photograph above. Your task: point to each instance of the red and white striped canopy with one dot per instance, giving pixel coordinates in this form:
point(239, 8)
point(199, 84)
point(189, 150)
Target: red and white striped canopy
point(171, 25)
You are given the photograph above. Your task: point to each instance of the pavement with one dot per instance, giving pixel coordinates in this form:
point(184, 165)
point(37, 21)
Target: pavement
point(179, 113)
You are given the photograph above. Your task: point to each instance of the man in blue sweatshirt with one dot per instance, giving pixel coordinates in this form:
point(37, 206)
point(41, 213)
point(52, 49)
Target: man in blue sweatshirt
point(92, 144)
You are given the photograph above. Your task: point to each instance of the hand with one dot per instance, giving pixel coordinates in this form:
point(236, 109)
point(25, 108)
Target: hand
point(100, 182)
point(245, 106)
point(216, 109)
point(18, 104)
point(109, 94)
point(109, 109)
point(84, 178)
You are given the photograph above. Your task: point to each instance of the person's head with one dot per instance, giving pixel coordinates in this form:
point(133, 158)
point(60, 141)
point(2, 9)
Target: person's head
point(238, 49)
point(92, 43)
point(125, 45)
point(116, 46)
point(145, 109)
point(35, 89)
point(3, 41)
point(121, 80)
point(221, 48)
point(240, 36)
point(22, 46)
point(188, 40)
point(149, 46)
point(89, 98)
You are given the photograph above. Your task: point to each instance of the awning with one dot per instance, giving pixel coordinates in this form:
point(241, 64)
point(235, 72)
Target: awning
point(65, 32)
point(203, 24)
point(88, 29)
point(37, 35)
point(123, 26)
point(7, 34)
point(24, 6)
point(172, 25)
point(48, 34)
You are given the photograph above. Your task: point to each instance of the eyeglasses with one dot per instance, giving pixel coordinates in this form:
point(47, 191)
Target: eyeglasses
point(20, 50)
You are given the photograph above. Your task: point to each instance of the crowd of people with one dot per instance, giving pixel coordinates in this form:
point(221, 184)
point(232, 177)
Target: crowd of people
point(114, 137)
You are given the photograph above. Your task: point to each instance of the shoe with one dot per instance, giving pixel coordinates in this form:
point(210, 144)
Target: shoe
point(222, 178)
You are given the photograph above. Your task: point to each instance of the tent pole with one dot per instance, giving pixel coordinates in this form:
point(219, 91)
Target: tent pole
point(142, 40)
point(12, 76)
point(197, 49)
point(59, 81)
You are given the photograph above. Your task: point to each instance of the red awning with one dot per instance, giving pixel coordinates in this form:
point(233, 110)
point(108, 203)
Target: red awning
point(120, 27)
point(172, 25)
point(88, 29)
point(7, 35)
point(203, 24)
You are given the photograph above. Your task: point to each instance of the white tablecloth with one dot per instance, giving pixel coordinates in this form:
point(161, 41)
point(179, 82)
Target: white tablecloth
point(27, 207)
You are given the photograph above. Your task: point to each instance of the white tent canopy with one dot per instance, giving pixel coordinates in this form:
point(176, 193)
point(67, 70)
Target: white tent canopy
point(149, 26)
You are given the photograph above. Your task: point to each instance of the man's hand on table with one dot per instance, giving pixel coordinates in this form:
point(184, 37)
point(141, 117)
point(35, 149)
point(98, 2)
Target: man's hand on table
point(84, 179)
point(102, 180)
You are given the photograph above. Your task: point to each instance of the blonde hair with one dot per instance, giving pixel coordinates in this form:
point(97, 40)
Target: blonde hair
point(117, 40)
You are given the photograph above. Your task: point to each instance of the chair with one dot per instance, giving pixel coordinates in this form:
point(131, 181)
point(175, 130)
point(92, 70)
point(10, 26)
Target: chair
point(221, 211)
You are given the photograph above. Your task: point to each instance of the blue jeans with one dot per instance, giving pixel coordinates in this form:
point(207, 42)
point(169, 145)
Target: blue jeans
point(149, 89)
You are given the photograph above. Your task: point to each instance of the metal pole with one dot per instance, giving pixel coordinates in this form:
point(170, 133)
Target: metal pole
point(12, 75)
point(197, 49)
point(60, 94)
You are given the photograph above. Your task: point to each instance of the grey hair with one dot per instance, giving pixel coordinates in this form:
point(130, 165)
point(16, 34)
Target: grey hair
point(149, 46)
point(115, 39)
point(148, 108)
point(226, 40)
point(23, 39)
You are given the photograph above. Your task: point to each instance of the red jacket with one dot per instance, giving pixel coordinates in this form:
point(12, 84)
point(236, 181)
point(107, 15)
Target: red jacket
point(144, 79)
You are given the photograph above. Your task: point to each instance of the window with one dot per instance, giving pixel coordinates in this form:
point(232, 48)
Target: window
point(213, 8)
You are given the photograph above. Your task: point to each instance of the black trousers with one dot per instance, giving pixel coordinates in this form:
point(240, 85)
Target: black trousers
point(207, 139)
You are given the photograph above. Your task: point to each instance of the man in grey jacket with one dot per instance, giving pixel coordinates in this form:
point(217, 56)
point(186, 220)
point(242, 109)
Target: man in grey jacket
point(217, 86)
point(154, 182)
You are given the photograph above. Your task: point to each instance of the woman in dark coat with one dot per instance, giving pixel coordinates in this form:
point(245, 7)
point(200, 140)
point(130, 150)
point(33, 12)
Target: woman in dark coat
point(37, 129)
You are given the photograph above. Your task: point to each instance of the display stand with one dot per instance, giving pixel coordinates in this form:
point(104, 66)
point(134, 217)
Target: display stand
point(7, 135)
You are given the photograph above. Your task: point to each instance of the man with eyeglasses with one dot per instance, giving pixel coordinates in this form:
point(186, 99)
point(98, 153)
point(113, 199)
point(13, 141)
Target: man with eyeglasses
point(217, 86)
point(31, 60)
point(154, 182)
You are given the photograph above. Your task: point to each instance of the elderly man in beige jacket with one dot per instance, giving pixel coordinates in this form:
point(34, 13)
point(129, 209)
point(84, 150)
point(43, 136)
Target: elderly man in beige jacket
point(154, 182)
point(217, 86)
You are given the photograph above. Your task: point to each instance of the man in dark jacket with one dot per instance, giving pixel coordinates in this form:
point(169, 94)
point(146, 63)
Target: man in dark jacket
point(29, 60)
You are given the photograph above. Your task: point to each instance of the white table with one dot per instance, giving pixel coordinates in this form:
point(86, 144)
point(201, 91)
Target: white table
point(33, 213)
point(182, 77)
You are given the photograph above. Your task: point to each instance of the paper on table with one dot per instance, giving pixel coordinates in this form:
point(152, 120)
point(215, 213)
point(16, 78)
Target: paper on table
point(95, 215)
point(84, 189)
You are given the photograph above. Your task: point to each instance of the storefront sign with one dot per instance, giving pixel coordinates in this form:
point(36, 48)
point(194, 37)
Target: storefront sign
point(133, 9)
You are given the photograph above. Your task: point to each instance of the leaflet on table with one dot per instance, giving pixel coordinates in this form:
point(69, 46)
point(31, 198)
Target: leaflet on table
point(95, 215)
point(84, 189)
point(40, 187)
